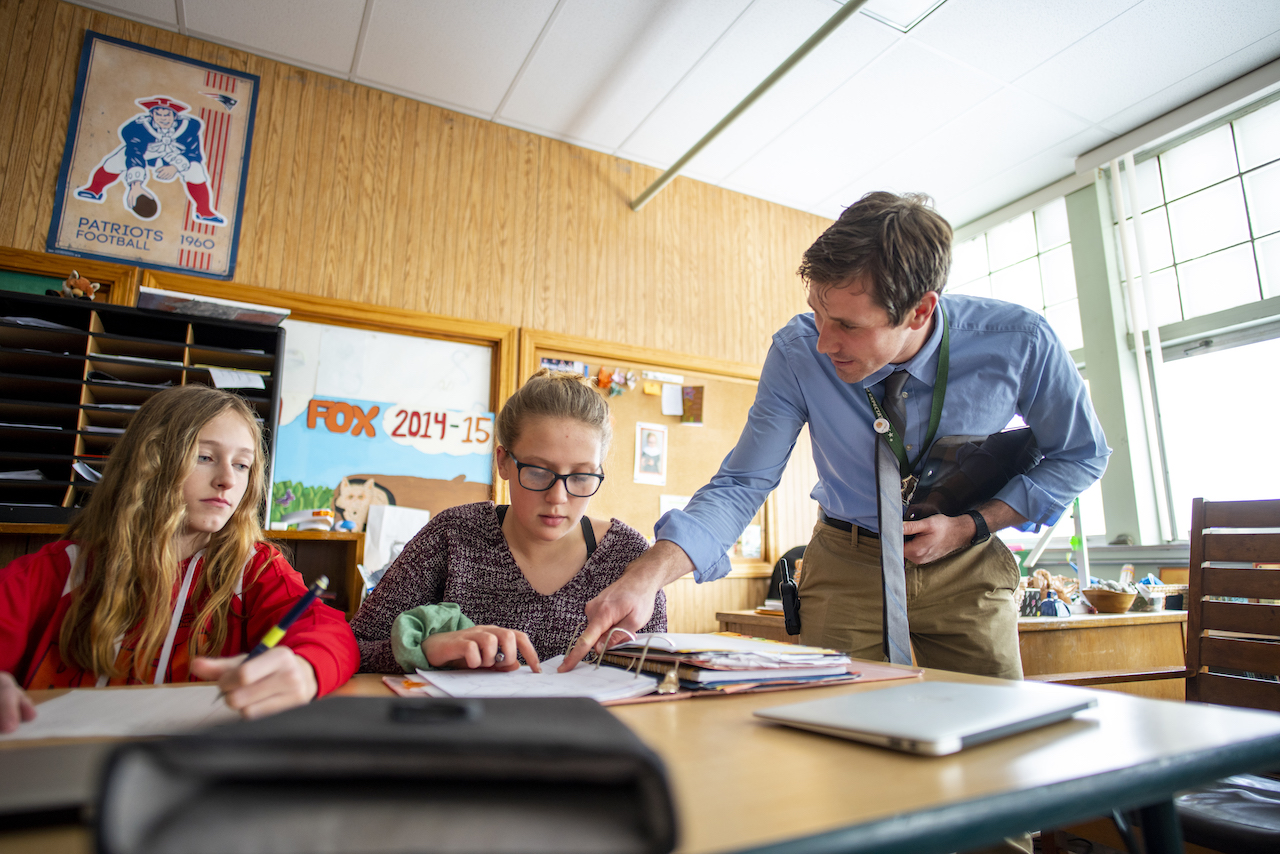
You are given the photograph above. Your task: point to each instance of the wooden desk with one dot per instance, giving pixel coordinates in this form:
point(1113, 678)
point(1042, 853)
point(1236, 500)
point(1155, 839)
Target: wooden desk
point(742, 785)
point(1063, 646)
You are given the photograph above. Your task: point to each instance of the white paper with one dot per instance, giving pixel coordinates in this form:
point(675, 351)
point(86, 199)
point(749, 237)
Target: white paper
point(672, 400)
point(122, 712)
point(585, 680)
point(389, 526)
point(227, 378)
point(660, 376)
point(716, 642)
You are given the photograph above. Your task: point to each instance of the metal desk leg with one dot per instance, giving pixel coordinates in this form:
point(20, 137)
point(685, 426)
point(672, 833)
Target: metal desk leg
point(1161, 830)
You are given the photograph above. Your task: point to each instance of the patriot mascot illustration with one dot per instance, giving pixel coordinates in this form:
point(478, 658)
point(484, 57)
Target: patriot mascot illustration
point(169, 144)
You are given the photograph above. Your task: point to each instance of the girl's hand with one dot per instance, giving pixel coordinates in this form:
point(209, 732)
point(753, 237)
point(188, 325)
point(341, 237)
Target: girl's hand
point(15, 706)
point(480, 647)
point(278, 679)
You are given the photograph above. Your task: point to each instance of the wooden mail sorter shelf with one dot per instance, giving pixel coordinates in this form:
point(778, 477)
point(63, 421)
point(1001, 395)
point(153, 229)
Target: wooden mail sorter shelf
point(73, 372)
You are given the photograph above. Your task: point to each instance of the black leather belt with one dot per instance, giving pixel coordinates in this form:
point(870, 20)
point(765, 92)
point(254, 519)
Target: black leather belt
point(842, 525)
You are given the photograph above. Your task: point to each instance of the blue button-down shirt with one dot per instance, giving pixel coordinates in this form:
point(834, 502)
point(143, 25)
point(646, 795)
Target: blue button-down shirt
point(1004, 360)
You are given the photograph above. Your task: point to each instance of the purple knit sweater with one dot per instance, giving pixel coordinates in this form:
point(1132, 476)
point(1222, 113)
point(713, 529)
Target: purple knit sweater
point(461, 556)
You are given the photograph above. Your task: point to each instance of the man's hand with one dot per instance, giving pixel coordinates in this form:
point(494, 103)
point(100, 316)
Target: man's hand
point(936, 537)
point(15, 706)
point(628, 602)
point(487, 647)
point(166, 172)
point(278, 679)
point(135, 190)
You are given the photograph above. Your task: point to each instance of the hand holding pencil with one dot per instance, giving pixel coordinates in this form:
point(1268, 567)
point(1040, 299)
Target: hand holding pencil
point(270, 678)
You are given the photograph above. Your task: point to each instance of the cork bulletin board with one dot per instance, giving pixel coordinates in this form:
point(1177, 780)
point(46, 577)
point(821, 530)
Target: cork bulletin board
point(694, 452)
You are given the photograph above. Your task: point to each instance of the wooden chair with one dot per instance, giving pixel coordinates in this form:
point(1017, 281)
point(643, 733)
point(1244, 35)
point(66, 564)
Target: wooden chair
point(1233, 659)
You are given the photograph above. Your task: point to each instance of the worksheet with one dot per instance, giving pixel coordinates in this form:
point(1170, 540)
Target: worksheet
point(585, 680)
point(121, 712)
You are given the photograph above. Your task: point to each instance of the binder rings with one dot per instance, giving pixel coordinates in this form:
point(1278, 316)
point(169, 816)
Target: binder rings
point(392, 774)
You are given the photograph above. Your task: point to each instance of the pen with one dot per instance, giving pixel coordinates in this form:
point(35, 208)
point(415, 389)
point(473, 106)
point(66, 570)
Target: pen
point(276, 632)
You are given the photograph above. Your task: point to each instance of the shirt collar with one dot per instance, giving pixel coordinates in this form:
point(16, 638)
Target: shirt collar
point(923, 366)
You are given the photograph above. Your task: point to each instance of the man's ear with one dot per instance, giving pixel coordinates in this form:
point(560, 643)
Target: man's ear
point(919, 316)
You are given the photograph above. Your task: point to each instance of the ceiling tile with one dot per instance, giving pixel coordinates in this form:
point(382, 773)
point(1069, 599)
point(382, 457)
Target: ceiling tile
point(604, 66)
point(1008, 39)
point(1189, 88)
point(312, 33)
point(908, 92)
point(1142, 51)
point(160, 12)
point(458, 53)
point(758, 43)
point(1001, 132)
point(1019, 180)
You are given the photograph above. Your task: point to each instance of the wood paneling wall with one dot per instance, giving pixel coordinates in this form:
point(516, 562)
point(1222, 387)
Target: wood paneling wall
point(362, 195)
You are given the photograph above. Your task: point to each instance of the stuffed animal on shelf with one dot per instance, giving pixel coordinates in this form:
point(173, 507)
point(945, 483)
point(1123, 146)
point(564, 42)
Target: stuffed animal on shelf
point(78, 287)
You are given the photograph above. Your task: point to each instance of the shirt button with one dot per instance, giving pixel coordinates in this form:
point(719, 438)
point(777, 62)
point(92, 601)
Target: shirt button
point(909, 447)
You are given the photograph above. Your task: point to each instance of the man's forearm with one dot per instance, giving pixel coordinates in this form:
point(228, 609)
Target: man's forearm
point(999, 515)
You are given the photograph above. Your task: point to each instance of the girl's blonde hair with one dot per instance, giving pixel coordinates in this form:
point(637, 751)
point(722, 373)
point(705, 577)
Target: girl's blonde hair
point(555, 394)
point(127, 535)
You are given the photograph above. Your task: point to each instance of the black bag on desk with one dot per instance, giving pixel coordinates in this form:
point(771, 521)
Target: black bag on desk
point(357, 774)
point(962, 472)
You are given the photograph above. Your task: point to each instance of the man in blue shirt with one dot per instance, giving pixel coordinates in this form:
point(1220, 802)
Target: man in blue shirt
point(875, 279)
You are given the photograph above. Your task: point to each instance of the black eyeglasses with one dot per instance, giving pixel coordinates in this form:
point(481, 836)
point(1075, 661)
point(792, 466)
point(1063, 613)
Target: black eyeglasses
point(538, 479)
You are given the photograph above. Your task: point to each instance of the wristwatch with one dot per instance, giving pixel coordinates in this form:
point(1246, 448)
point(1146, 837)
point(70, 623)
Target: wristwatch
point(981, 533)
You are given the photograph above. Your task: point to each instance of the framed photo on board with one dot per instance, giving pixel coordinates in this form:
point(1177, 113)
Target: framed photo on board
point(157, 154)
point(651, 453)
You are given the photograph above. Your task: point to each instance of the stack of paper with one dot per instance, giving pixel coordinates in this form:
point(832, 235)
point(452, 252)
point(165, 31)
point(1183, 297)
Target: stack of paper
point(722, 659)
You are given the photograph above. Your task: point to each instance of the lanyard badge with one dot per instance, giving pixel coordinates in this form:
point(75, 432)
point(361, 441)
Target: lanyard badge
point(883, 426)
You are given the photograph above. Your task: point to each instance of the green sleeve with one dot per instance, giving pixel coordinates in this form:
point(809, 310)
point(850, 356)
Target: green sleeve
point(411, 628)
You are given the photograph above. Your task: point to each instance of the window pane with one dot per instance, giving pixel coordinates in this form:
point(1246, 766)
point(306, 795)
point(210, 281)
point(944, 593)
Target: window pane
point(1150, 193)
point(1269, 262)
point(1012, 242)
point(969, 260)
point(1058, 275)
point(1051, 224)
point(1207, 221)
point(1202, 465)
point(1262, 189)
point(1196, 164)
point(1065, 320)
point(976, 288)
point(1164, 285)
point(1021, 284)
point(1219, 281)
point(1258, 136)
point(1155, 233)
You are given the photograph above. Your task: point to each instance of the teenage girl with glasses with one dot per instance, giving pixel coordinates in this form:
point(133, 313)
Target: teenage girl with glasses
point(482, 586)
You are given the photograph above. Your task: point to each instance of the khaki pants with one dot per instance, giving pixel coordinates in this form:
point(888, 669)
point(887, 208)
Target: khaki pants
point(960, 609)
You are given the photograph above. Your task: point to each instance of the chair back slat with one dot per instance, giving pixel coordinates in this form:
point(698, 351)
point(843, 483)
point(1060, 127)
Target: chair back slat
point(1238, 691)
point(1243, 654)
point(1244, 670)
point(1245, 617)
point(1245, 548)
point(1242, 514)
point(1243, 583)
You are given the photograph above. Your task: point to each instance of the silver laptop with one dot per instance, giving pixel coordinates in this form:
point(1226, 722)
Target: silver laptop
point(934, 718)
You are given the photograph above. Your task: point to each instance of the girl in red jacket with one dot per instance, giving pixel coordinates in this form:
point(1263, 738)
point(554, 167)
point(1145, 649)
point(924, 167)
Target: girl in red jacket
point(165, 567)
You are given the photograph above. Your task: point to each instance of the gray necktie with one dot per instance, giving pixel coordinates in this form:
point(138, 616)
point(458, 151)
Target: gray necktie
point(897, 634)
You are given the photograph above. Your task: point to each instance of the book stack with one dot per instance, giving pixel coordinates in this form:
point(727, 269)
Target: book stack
point(729, 662)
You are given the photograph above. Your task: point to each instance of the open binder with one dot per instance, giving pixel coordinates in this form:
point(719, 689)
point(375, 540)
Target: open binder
point(391, 774)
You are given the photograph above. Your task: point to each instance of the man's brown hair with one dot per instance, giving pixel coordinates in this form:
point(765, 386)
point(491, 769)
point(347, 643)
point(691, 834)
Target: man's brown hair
point(899, 242)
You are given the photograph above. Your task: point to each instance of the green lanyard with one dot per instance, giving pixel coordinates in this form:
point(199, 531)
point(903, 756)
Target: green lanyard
point(935, 414)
